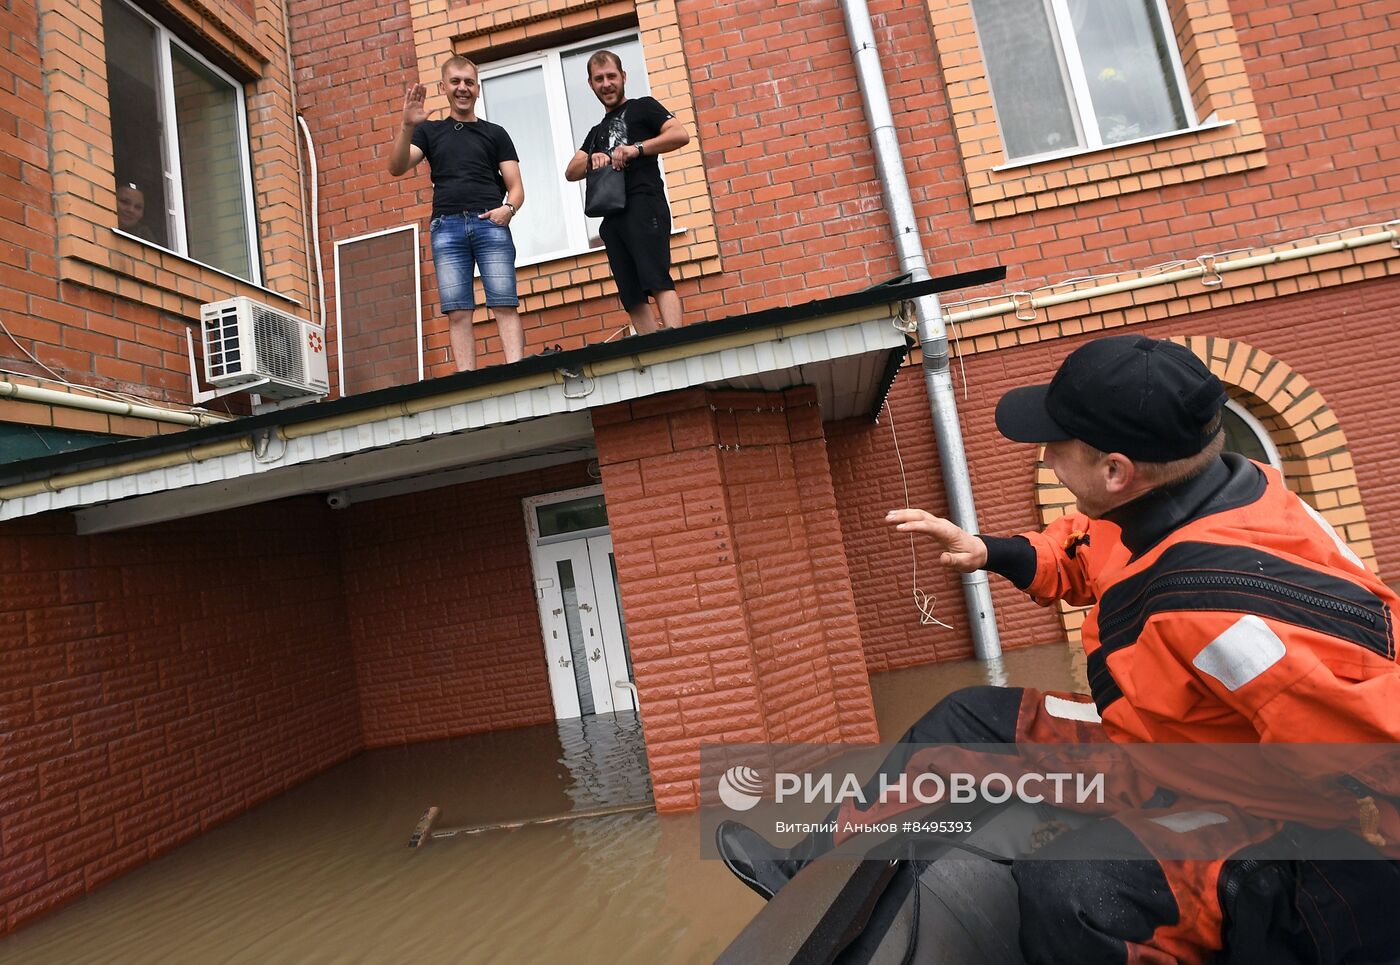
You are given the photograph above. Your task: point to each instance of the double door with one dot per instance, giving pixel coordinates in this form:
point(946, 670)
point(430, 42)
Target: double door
point(584, 638)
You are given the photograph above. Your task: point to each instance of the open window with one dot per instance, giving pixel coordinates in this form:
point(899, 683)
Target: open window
point(179, 146)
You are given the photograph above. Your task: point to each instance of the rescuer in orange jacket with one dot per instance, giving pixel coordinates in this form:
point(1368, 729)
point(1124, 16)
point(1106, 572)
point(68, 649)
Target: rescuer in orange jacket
point(1225, 610)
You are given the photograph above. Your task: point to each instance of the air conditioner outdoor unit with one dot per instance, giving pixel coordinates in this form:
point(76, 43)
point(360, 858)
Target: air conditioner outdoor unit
point(248, 342)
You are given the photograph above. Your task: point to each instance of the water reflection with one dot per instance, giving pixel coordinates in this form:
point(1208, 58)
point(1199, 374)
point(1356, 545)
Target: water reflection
point(903, 696)
point(324, 873)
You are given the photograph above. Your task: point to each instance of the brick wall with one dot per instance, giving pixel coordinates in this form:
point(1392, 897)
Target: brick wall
point(441, 612)
point(883, 564)
point(157, 683)
point(789, 170)
point(1341, 358)
point(97, 308)
point(732, 577)
point(785, 162)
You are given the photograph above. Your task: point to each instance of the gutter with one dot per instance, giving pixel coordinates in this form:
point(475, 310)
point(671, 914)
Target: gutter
point(931, 322)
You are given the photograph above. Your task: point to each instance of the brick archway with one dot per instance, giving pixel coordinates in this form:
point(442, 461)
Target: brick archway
point(1317, 463)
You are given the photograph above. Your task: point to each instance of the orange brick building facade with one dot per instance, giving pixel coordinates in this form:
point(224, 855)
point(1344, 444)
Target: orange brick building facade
point(146, 700)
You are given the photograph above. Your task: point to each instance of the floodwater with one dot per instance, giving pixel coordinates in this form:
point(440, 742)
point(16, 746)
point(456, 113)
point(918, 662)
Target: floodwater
point(324, 873)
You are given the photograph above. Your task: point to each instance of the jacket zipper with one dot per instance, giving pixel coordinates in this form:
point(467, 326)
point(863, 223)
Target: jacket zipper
point(1250, 582)
point(1235, 882)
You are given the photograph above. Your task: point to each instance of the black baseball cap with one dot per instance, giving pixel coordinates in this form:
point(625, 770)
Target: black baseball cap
point(1144, 397)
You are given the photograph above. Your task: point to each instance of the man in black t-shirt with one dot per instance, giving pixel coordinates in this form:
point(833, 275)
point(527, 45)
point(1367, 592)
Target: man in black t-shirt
point(630, 137)
point(476, 192)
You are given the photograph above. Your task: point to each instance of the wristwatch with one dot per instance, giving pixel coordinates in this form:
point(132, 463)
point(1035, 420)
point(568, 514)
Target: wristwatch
point(641, 151)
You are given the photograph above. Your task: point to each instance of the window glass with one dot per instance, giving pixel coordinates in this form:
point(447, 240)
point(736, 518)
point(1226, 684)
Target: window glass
point(1128, 67)
point(211, 166)
point(179, 145)
point(516, 97)
point(1027, 75)
point(1246, 436)
point(1069, 74)
point(543, 100)
point(572, 516)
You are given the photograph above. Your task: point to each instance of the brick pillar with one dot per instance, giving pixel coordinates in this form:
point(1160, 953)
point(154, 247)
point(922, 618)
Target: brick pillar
point(733, 576)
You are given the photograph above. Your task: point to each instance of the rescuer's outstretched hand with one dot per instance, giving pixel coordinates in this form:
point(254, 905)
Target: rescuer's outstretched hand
point(962, 551)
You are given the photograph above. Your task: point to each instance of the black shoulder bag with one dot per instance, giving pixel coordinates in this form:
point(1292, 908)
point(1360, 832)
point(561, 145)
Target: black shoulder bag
point(606, 190)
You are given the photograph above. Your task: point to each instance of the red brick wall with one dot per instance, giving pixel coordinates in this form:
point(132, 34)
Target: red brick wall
point(787, 540)
point(865, 468)
point(732, 576)
point(1343, 355)
point(86, 336)
point(797, 205)
point(157, 682)
point(441, 611)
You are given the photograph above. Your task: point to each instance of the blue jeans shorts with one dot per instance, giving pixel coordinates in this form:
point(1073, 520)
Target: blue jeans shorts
point(463, 240)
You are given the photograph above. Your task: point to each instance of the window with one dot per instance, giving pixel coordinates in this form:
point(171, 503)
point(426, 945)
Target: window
point(179, 146)
point(1078, 75)
point(1245, 435)
point(544, 101)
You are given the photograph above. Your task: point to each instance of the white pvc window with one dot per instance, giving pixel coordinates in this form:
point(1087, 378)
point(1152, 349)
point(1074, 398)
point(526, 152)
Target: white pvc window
point(1079, 75)
point(543, 100)
point(180, 138)
point(1247, 436)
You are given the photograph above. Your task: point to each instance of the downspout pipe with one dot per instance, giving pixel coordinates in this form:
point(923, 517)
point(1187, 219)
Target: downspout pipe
point(932, 328)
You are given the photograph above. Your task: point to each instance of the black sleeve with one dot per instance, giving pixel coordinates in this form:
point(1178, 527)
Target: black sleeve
point(1012, 557)
point(653, 114)
point(420, 139)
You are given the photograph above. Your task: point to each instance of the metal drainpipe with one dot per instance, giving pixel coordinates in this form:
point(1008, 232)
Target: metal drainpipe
point(933, 333)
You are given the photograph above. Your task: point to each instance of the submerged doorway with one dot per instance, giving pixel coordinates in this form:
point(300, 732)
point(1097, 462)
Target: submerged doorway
point(585, 641)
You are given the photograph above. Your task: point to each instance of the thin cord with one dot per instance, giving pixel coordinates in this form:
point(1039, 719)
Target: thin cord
point(922, 601)
point(32, 357)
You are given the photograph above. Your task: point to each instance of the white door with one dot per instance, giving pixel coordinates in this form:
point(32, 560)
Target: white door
point(584, 637)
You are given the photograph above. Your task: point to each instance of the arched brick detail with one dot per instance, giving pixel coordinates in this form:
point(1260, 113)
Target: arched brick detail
point(1317, 463)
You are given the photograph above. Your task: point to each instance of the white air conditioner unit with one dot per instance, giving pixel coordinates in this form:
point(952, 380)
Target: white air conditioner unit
point(248, 342)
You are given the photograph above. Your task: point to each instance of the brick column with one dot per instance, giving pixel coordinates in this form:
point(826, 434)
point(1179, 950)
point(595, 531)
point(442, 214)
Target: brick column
point(733, 577)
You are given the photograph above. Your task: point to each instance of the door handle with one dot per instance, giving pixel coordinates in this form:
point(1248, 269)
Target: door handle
point(597, 654)
point(557, 611)
point(585, 608)
point(563, 662)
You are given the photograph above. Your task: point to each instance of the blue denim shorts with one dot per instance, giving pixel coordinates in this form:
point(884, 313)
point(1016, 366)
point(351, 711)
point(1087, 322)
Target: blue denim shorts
point(463, 240)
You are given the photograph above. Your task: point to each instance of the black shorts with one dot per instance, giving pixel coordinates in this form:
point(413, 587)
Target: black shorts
point(639, 249)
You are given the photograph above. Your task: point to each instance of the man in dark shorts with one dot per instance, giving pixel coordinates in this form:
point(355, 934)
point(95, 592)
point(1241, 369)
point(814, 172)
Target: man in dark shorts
point(476, 192)
point(630, 137)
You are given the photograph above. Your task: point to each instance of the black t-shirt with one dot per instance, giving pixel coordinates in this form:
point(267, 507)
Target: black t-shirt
point(638, 119)
point(465, 157)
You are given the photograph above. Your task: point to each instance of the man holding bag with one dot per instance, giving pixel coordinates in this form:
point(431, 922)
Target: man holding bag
point(627, 141)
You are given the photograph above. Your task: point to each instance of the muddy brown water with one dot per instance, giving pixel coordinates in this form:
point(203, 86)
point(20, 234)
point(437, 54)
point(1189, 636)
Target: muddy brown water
point(324, 874)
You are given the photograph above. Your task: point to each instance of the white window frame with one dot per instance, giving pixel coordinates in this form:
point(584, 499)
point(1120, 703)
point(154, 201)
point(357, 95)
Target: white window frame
point(576, 228)
point(1082, 103)
point(170, 148)
point(1260, 433)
